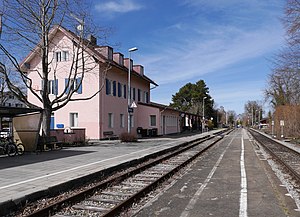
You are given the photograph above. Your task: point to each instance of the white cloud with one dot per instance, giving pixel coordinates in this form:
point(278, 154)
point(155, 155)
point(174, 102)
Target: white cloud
point(217, 4)
point(199, 56)
point(118, 6)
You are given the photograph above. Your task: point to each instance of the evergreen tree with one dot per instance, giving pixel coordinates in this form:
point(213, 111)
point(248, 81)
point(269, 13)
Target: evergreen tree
point(190, 99)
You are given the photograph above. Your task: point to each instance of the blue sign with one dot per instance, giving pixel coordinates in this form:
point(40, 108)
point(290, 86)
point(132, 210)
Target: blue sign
point(60, 126)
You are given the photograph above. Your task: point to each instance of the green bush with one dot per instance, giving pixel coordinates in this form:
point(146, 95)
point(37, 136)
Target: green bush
point(210, 124)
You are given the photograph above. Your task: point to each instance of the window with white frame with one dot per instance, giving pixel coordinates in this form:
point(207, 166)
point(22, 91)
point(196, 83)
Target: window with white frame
point(62, 56)
point(73, 119)
point(152, 120)
point(110, 120)
point(122, 120)
point(133, 93)
point(131, 121)
point(139, 95)
point(121, 90)
point(53, 87)
point(73, 84)
point(110, 87)
point(145, 98)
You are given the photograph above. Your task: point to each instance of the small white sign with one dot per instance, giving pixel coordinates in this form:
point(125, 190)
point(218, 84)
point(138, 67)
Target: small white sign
point(133, 105)
point(272, 123)
point(281, 122)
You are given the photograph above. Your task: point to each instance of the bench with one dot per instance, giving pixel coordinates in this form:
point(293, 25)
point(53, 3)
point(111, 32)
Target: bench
point(49, 142)
point(288, 139)
point(110, 135)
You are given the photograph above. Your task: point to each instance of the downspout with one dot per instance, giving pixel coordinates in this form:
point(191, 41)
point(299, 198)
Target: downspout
point(100, 104)
point(163, 128)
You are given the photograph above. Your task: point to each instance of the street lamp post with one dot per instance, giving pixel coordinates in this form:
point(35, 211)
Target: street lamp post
point(252, 114)
point(203, 118)
point(129, 91)
point(217, 118)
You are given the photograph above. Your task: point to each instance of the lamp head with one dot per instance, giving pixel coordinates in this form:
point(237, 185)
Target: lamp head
point(132, 49)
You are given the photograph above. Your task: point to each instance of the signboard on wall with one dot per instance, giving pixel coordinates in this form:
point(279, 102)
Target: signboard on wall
point(60, 126)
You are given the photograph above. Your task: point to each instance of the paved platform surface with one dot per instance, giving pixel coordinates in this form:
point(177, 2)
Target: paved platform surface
point(234, 179)
point(22, 176)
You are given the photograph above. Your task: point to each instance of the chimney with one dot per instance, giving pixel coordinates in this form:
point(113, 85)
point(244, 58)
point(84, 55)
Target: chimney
point(118, 58)
point(106, 51)
point(139, 69)
point(92, 39)
point(126, 63)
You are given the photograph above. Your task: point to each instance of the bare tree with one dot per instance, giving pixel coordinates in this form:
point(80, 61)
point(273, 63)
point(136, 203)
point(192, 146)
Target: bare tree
point(30, 26)
point(231, 117)
point(254, 111)
point(222, 115)
point(291, 21)
point(284, 81)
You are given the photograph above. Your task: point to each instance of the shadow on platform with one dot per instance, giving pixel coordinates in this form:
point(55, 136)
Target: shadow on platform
point(31, 158)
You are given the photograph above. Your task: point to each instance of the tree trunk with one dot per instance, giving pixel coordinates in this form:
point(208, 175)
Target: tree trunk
point(46, 121)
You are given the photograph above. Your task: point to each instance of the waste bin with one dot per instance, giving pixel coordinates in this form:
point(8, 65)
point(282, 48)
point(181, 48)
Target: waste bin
point(145, 133)
point(139, 131)
point(154, 132)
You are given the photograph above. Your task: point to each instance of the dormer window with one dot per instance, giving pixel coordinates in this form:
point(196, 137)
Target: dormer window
point(62, 56)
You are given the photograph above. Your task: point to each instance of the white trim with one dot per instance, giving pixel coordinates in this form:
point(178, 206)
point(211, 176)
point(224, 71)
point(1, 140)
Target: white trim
point(243, 195)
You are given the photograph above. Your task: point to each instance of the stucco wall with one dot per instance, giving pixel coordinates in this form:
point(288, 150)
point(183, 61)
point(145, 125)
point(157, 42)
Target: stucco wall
point(118, 105)
point(88, 111)
point(143, 114)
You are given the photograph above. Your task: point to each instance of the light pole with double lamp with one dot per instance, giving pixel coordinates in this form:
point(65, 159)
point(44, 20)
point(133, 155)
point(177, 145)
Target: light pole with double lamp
point(203, 118)
point(129, 109)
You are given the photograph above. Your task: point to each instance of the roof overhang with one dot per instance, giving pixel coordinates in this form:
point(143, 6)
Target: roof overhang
point(16, 111)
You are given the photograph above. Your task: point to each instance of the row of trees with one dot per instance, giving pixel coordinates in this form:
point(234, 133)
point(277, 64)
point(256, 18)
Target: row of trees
point(253, 113)
point(284, 81)
point(283, 85)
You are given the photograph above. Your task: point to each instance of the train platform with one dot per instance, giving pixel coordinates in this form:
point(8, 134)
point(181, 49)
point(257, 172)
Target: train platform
point(33, 175)
point(234, 179)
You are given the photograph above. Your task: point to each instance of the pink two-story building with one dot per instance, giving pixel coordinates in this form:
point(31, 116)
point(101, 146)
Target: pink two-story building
point(108, 72)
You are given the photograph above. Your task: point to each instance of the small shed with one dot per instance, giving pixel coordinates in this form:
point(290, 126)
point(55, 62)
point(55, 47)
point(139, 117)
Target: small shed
point(24, 124)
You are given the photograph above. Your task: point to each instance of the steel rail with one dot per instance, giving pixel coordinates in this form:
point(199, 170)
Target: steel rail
point(52, 208)
point(136, 197)
point(258, 137)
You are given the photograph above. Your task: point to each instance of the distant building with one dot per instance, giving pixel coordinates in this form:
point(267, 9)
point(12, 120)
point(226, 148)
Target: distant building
point(7, 99)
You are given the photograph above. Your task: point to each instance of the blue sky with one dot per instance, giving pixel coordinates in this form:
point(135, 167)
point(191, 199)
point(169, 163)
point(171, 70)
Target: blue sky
point(227, 43)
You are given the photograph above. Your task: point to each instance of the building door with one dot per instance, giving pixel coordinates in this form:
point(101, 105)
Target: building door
point(52, 122)
point(164, 124)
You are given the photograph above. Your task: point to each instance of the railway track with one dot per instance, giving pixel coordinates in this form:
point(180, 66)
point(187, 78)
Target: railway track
point(113, 196)
point(287, 157)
